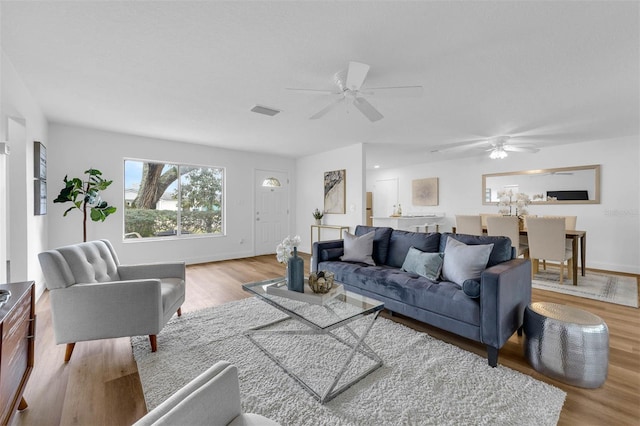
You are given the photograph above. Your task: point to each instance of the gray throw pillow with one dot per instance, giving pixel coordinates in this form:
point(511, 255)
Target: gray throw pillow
point(422, 263)
point(463, 262)
point(358, 249)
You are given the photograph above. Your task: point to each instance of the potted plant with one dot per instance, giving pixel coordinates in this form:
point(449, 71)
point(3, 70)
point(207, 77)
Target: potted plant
point(317, 215)
point(86, 194)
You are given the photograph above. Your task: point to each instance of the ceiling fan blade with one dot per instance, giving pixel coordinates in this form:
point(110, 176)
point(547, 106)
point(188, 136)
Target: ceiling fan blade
point(514, 148)
point(405, 91)
point(356, 74)
point(367, 109)
point(314, 91)
point(458, 146)
point(326, 109)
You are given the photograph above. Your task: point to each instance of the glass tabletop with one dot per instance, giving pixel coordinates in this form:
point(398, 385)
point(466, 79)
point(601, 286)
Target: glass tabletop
point(345, 307)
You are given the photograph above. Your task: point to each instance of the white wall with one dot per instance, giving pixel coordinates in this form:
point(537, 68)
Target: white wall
point(72, 150)
point(26, 232)
point(310, 191)
point(613, 226)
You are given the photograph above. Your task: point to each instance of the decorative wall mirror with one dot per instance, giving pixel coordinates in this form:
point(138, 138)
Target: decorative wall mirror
point(565, 185)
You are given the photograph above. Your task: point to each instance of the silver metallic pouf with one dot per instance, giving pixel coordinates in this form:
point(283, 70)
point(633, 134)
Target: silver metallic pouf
point(567, 344)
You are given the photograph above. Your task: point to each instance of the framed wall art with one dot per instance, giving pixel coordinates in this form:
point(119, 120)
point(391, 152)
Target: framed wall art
point(39, 179)
point(39, 197)
point(335, 191)
point(424, 192)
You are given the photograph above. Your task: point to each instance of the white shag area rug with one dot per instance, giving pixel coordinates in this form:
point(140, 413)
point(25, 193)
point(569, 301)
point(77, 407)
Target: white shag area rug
point(423, 381)
point(618, 289)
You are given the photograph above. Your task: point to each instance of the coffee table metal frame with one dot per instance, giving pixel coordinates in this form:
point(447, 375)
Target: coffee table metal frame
point(370, 308)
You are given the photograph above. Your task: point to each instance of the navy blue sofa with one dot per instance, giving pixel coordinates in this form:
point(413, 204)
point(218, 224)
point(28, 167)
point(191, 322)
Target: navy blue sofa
point(490, 318)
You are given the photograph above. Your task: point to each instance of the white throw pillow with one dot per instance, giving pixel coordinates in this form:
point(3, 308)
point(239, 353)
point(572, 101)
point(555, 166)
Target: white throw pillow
point(464, 262)
point(358, 249)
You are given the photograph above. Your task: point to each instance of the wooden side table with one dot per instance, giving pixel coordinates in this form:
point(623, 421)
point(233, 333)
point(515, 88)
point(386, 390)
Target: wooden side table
point(17, 330)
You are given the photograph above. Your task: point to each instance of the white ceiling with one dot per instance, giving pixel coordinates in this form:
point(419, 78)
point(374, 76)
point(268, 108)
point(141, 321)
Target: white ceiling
point(557, 72)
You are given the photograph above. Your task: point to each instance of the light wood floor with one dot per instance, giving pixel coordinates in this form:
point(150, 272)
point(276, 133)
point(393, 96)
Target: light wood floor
point(101, 386)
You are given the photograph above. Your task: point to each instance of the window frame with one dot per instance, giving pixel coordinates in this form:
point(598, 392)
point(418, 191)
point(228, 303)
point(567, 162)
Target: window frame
point(180, 235)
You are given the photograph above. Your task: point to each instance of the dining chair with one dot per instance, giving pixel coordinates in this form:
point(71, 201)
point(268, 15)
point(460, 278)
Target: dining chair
point(484, 216)
point(547, 241)
point(468, 224)
point(570, 221)
point(525, 217)
point(508, 226)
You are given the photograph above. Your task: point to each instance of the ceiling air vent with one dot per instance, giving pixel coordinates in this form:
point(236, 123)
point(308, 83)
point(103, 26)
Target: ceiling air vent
point(265, 110)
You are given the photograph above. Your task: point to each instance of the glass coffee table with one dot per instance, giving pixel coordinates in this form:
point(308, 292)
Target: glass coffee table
point(331, 335)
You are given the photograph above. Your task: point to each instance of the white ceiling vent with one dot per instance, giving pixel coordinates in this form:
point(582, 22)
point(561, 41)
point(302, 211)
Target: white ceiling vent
point(265, 110)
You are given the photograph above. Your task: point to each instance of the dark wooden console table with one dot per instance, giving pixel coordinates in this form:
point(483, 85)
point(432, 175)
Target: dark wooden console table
point(18, 330)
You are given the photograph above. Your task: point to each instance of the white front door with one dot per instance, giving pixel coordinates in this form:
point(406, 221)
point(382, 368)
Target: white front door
point(272, 211)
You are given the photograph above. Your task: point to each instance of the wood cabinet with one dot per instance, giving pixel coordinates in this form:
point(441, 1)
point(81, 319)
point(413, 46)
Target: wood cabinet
point(17, 328)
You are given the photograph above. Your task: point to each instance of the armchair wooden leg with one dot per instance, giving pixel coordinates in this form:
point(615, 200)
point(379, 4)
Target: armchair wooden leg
point(180, 311)
point(23, 404)
point(69, 351)
point(154, 342)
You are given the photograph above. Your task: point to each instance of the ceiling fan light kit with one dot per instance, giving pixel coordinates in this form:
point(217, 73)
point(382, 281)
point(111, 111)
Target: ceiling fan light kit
point(498, 154)
point(498, 147)
point(349, 89)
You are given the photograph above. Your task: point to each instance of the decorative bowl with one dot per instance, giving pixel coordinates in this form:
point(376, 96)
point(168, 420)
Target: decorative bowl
point(321, 282)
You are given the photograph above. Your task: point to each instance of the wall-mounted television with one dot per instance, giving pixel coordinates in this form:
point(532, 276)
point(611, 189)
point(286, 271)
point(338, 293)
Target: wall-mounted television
point(569, 195)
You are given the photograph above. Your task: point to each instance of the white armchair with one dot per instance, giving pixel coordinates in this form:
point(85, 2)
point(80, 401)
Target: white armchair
point(94, 297)
point(212, 398)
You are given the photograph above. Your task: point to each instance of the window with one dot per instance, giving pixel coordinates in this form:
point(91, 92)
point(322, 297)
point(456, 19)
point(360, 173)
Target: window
point(164, 200)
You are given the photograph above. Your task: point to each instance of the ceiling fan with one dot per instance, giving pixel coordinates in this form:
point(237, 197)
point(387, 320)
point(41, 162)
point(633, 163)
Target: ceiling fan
point(350, 89)
point(497, 147)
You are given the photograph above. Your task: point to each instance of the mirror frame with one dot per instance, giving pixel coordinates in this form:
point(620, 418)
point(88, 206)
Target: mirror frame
point(595, 167)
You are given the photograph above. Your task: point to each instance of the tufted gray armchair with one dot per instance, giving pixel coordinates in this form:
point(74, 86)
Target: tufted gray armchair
point(212, 398)
point(94, 297)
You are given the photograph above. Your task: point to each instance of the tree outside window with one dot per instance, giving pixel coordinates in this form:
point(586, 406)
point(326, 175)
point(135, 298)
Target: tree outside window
point(165, 200)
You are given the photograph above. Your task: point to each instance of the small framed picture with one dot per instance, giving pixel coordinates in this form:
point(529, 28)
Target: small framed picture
point(335, 191)
point(39, 197)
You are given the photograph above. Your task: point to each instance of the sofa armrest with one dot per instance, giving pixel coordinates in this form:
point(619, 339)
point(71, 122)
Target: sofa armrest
point(152, 270)
point(104, 310)
point(505, 291)
point(318, 246)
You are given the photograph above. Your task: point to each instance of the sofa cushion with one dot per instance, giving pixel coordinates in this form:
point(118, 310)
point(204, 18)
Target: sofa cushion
point(425, 264)
point(380, 241)
point(501, 251)
point(464, 262)
point(471, 288)
point(358, 248)
point(331, 254)
point(400, 242)
point(442, 298)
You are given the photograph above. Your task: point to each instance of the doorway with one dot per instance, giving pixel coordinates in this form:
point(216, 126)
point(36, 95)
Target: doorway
point(14, 242)
point(271, 211)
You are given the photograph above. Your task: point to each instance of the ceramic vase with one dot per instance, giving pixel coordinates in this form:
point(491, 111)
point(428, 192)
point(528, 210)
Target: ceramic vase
point(295, 272)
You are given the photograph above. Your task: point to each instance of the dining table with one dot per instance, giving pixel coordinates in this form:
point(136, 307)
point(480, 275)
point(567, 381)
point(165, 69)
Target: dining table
point(578, 246)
